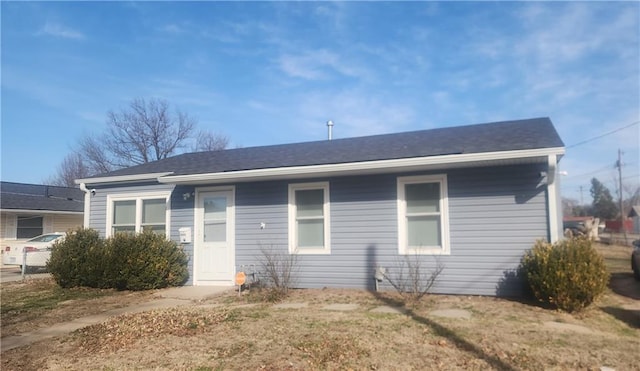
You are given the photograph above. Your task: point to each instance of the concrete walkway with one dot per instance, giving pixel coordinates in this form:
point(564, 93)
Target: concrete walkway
point(181, 296)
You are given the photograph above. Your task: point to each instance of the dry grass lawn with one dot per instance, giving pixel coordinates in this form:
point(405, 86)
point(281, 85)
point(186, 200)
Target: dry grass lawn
point(232, 333)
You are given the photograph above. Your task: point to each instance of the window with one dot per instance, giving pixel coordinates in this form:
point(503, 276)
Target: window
point(154, 215)
point(423, 223)
point(29, 226)
point(131, 214)
point(309, 218)
point(124, 216)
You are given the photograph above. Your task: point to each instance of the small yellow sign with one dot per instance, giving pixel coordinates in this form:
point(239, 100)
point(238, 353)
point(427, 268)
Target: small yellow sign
point(240, 278)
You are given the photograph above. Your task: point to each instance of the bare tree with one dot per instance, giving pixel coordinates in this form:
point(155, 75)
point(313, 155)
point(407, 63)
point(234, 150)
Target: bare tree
point(208, 141)
point(72, 167)
point(630, 195)
point(144, 131)
point(97, 159)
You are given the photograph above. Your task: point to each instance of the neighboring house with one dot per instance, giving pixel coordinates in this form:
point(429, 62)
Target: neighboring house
point(29, 210)
point(474, 198)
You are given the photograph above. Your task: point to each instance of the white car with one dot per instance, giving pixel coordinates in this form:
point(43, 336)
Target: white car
point(38, 250)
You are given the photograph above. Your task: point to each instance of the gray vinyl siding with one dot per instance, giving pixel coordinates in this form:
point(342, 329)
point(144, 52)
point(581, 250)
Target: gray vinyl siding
point(495, 214)
point(182, 215)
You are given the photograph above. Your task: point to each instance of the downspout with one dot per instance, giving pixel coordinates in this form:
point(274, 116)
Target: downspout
point(87, 203)
point(553, 193)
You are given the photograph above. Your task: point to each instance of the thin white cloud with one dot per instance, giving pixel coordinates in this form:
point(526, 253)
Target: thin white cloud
point(317, 65)
point(354, 112)
point(59, 30)
point(181, 92)
point(172, 28)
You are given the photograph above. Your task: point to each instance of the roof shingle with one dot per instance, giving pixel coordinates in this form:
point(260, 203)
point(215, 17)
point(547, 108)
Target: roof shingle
point(526, 134)
point(20, 196)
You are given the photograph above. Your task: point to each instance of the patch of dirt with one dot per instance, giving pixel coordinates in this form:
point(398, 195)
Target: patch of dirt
point(500, 335)
point(121, 332)
point(559, 326)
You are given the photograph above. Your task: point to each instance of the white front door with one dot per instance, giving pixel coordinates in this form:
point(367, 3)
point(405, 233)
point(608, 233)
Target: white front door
point(214, 245)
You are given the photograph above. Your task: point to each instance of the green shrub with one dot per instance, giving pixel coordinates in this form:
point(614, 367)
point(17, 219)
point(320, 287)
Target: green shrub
point(116, 255)
point(146, 261)
point(568, 275)
point(124, 261)
point(75, 260)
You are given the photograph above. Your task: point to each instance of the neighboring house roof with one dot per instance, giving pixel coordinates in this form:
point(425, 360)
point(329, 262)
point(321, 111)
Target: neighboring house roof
point(519, 135)
point(635, 211)
point(37, 197)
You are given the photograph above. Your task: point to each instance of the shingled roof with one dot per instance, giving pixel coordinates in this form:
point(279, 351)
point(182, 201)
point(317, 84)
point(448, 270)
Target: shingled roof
point(537, 133)
point(37, 197)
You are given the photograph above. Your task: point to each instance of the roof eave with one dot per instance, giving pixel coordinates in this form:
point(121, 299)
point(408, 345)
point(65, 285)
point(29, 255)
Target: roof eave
point(134, 178)
point(40, 211)
point(368, 167)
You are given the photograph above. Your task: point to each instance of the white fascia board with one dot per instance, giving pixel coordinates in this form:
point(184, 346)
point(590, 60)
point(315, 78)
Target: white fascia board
point(360, 168)
point(30, 211)
point(122, 178)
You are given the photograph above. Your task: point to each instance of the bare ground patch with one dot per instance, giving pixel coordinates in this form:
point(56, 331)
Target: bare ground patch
point(501, 335)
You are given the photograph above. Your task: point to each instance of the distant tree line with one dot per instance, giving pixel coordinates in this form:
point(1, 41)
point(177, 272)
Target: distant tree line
point(144, 131)
point(603, 205)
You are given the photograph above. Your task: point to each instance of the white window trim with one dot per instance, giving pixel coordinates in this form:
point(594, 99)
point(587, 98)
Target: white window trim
point(293, 231)
point(138, 197)
point(445, 248)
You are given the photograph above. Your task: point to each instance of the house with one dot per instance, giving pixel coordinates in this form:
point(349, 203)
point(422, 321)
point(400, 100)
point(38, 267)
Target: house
point(29, 210)
point(471, 198)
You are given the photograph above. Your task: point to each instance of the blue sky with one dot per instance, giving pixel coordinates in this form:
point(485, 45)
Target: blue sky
point(275, 72)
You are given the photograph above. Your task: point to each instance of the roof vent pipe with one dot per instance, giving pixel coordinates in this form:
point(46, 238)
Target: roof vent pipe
point(330, 127)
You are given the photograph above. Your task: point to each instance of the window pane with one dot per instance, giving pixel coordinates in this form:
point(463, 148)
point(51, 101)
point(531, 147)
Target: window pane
point(124, 229)
point(155, 228)
point(423, 231)
point(29, 226)
point(310, 233)
point(310, 202)
point(215, 208)
point(154, 211)
point(215, 232)
point(124, 212)
point(423, 198)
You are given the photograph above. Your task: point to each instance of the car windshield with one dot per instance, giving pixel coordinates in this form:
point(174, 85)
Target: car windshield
point(45, 238)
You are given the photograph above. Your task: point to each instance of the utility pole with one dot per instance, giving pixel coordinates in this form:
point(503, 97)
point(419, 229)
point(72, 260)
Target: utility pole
point(622, 216)
point(581, 198)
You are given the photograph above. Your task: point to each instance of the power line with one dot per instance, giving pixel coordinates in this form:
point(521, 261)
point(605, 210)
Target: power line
point(599, 170)
point(603, 135)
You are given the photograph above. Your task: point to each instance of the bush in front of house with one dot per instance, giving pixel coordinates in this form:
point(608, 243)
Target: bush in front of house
point(146, 261)
point(568, 275)
point(124, 261)
point(75, 260)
